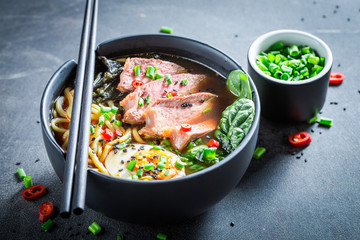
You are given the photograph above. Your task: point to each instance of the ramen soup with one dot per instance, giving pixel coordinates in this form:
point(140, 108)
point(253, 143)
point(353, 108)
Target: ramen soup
point(153, 117)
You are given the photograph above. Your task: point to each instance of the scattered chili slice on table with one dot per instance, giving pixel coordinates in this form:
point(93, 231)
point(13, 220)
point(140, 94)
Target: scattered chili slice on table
point(33, 192)
point(186, 127)
point(336, 78)
point(136, 83)
point(45, 211)
point(300, 139)
point(213, 143)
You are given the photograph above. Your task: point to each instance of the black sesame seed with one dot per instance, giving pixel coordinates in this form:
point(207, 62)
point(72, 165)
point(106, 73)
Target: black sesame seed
point(165, 90)
point(302, 154)
point(176, 82)
point(115, 151)
point(305, 160)
point(334, 11)
point(344, 109)
point(190, 93)
point(120, 170)
point(37, 160)
point(298, 157)
point(312, 130)
point(320, 132)
point(293, 153)
point(125, 150)
point(184, 105)
point(337, 6)
point(339, 65)
point(302, 19)
point(37, 121)
point(190, 104)
point(202, 100)
point(174, 90)
point(122, 162)
point(324, 16)
point(142, 147)
point(128, 161)
point(112, 121)
point(236, 35)
point(232, 224)
point(348, 19)
point(18, 163)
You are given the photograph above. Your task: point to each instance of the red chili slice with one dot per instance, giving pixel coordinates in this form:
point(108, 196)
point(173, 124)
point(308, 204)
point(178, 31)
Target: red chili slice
point(118, 133)
point(300, 139)
point(173, 93)
point(213, 143)
point(136, 83)
point(45, 211)
point(186, 127)
point(336, 78)
point(108, 134)
point(34, 192)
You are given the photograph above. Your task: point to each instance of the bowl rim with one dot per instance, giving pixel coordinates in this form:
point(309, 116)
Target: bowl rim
point(251, 56)
point(224, 161)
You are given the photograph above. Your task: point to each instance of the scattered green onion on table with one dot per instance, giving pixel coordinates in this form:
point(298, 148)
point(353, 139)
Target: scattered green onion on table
point(290, 63)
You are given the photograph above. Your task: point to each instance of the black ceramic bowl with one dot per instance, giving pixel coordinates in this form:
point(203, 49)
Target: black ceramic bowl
point(155, 201)
point(287, 101)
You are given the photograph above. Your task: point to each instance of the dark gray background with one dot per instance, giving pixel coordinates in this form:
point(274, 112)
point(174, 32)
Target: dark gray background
point(282, 196)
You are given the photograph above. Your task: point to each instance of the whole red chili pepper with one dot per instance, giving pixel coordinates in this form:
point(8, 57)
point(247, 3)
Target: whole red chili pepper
point(300, 139)
point(336, 78)
point(34, 192)
point(45, 211)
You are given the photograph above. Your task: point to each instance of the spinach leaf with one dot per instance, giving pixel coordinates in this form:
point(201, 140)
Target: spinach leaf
point(239, 85)
point(235, 123)
point(202, 153)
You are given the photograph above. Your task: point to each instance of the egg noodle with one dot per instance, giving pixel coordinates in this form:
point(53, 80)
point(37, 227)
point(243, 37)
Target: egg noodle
point(99, 147)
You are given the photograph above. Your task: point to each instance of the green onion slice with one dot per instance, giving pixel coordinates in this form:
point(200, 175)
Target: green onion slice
point(28, 182)
point(21, 173)
point(131, 165)
point(326, 121)
point(94, 228)
point(47, 225)
point(259, 151)
point(168, 79)
point(137, 70)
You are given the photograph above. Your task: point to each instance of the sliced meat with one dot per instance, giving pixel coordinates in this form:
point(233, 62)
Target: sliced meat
point(127, 76)
point(179, 138)
point(169, 112)
point(157, 89)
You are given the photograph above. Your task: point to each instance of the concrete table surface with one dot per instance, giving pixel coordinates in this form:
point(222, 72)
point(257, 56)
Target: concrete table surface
point(287, 194)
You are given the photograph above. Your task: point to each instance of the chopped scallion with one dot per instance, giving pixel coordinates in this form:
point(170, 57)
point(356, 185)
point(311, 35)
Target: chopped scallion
point(161, 236)
point(101, 120)
point(47, 225)
point(104, 109)
point(190, 145)
point(28, 181)
point(156, 147)
point(117, 123)
point(131, 165)
point(107, 116)
point(168, 79)
point(313, 119)
point(92, 130)
point(326, 121)
point(161, 165)
point(166, 142)
point(158, 76)
point(165, 29)
point(148, 100)
point(259, 151)
point(114, 109)
point(149, 166)
point(139, 173)
point(134, 177)
point(179, 164)
point(184, 82)
point(150, 72)
point(94, 228)
point(21, 173)
point(207, 110)
point(119, 237)
point(197, 141)
point(141, 101)
point(166, 172)
point(137, 70)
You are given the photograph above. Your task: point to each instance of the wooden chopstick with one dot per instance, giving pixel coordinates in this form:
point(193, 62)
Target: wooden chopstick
point(83, 145)
point(68, 178)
